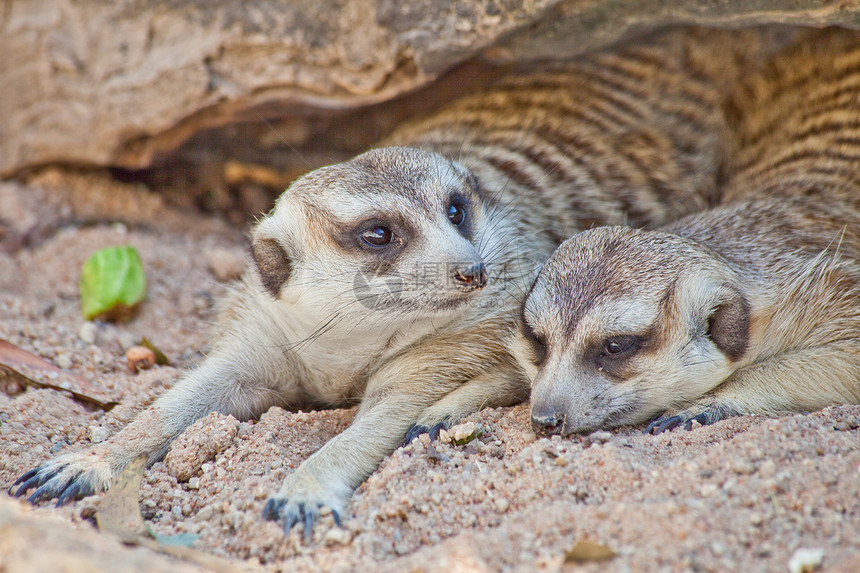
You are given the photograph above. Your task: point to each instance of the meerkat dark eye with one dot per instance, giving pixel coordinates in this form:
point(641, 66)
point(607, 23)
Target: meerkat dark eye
point(457, 213)
point(537, 343)
point(377, 236)
point(620, 346)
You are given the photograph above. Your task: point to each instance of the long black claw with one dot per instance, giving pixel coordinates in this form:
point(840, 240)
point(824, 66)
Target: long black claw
point(310, 516)
point(26, 477)
point(272, 511)
point(304, 514)
point(290, 519)
point(661, 425)
point(34, 481)
point(46, 491)
point(77, 490)
point(412, 433)
point(434, 431)
point(418, 429)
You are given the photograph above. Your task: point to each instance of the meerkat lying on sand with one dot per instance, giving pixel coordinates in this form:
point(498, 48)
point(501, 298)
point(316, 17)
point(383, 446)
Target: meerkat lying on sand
point(750, 308)
point(753, 307)
point(394, 279)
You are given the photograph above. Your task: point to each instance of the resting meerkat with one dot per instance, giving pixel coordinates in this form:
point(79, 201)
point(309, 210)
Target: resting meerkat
point(392, 280)
point(752, 307)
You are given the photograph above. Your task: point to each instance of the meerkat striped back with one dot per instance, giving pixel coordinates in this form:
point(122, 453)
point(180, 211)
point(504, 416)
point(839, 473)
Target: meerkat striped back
point(798, 123)
point(631, 135)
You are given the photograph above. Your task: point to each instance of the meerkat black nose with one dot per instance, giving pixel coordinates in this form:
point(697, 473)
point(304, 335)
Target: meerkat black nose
point(473, 277)
point(549, 425)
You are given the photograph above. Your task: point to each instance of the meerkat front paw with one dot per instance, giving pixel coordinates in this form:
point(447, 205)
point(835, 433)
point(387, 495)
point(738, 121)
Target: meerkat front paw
point(300, 500)
point(68, 477)
point(703, 415)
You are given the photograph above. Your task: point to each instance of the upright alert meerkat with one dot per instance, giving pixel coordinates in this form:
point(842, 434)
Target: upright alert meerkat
point(393, 280)
point(752, 307)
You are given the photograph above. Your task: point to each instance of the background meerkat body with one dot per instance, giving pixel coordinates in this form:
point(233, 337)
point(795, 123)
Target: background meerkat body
point(797, 152)
point(633, 135)
point(629, 137)
point(798, 261)
point(796, 126)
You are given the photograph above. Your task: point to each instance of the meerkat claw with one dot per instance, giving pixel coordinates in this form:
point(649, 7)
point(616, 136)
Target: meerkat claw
point(27, 477)
point(36, 478)
point(76, 490)
point(705, 418)
point(272, 510)
point(295, 513)
point(660, 425)
point(418, 429)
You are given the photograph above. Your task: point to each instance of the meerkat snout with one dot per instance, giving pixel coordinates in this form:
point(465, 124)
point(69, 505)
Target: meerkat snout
point(547, 424)
point(471, 277)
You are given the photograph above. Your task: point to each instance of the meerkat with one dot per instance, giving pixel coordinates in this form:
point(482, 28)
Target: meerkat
point(752, 307)
point(392, 280)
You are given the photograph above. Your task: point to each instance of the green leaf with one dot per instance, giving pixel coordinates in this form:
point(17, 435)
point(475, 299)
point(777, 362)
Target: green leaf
point(112, 284)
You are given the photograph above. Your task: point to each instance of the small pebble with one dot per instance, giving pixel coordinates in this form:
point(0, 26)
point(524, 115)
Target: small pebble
point(140, 358)
point(63, 361)
point(599, 437)
point(444, 436)
point(805, 560)
point(88, 332)
point(502, 504)
point(337, 536)
point(89, 510)
point(463, 432)
point(98, 434)
point(709, 489)
point(742, 467)
point(767, 469)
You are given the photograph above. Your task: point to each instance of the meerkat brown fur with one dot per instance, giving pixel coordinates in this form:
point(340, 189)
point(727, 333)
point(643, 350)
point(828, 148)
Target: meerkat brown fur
point(393, 280)
point(752, 307)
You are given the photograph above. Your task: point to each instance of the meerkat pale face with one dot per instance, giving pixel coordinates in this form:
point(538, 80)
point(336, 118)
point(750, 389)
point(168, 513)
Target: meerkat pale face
point(395, 232)
point(622, 324)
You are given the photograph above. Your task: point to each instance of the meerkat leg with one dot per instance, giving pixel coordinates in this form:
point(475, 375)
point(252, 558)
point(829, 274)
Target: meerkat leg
point(215, 386)
point(332, 473)
point(396, 396)
point(807, 379)
point(493, 389)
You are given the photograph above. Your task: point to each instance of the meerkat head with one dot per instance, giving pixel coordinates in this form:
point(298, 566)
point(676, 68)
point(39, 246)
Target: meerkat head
point(622, 324)
point(393, 234)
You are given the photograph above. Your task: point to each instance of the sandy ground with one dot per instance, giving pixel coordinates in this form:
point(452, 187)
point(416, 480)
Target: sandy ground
point(742, 495)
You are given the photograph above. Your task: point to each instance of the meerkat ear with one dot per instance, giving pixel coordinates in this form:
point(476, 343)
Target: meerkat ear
point(729, 324)
point(273, 264)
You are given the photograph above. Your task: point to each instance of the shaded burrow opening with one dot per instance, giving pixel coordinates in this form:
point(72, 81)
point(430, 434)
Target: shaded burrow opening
point(238, 169)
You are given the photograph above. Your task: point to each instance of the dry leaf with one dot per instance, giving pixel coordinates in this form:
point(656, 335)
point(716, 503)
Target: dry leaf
point(119, 515)
point(586, 551)
point(23, 366)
